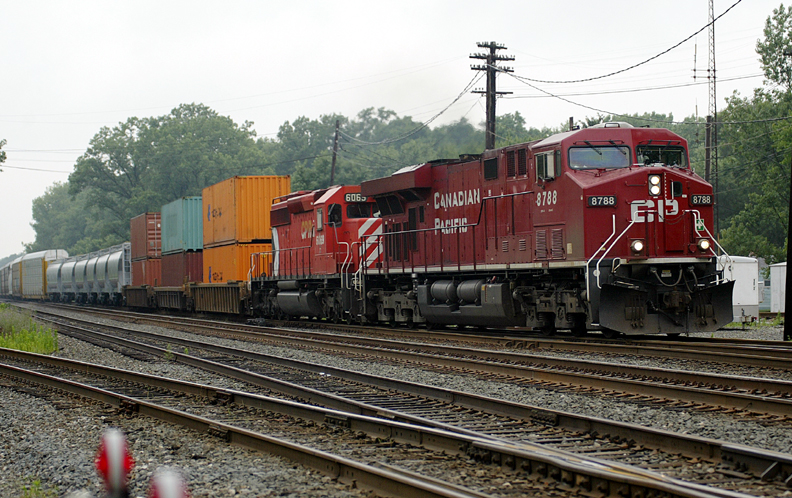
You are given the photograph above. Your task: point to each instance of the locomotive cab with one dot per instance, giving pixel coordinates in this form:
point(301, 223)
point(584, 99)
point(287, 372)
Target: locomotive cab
point(646, 221)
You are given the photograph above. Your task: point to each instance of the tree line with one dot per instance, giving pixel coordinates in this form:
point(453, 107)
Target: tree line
point(143, 163)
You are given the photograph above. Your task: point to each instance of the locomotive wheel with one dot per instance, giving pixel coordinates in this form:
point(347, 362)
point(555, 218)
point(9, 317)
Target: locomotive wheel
point(548, 330)
point(610, 333)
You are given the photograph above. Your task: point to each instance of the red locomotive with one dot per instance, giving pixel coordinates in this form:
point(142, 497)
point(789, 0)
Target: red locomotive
point(319, 239)
point(605, 228)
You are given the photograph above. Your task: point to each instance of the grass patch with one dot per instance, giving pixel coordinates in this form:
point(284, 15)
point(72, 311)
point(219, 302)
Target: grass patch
point(35, 490)
point(19, 331)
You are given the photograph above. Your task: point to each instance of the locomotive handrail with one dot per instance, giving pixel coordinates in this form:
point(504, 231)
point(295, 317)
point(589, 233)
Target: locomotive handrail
point(696, 217)
point(632, 222)
point(588, 285)
point(348, 262)
point(346, 258)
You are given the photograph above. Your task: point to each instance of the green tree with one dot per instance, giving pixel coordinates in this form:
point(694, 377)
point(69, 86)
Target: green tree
point(72, 223)
point(777, 43)
point(142, 164)
point(756, 152)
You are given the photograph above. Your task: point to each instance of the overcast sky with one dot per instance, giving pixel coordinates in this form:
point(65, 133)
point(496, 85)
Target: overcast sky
point(69, 68)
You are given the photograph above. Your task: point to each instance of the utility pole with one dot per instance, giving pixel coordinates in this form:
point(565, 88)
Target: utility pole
point(335, 153)
point(788, 292)
point(708, 149)
point(492, 58)
point(713, 113)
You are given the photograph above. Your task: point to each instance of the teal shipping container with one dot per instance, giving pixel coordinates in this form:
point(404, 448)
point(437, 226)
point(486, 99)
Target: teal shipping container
point(182, 225)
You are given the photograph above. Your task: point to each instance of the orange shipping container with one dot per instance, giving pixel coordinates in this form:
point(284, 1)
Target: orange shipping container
point(237, 210)
point(231, 262)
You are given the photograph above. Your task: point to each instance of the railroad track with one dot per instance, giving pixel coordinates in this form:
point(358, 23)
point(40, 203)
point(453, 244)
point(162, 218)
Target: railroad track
point(749, 353)
point(373, 402)
point(744, 395)
point(242, 418)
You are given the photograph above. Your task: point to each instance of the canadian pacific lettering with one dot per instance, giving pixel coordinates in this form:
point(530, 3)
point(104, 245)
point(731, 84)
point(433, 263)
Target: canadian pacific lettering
point(457, 199)
point(453, 225)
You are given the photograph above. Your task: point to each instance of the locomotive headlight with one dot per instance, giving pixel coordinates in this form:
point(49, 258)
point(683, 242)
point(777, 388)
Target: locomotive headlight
point(637, 246)
point(703, 245)
point(654, 184)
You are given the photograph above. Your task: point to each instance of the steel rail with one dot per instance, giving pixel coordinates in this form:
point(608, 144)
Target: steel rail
point(760, 354)
point(344, 469)
point(664, 440)
point(563, 466)
point(748, 352)
point(599, 375)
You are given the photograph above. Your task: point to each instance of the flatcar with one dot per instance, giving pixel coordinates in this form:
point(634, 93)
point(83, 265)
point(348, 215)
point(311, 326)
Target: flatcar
point(605, 228)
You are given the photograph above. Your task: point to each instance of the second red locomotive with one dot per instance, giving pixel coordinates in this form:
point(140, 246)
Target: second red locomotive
point(605, 228)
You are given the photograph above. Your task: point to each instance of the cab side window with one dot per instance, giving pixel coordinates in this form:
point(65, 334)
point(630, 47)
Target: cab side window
point(548, 165)
point(334, 216)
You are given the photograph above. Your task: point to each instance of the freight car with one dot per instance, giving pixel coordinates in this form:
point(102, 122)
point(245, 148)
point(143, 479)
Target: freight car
point(97, 277)
point(605, 228)
point(26, 276)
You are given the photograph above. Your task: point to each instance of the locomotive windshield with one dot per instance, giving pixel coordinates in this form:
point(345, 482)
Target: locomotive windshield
point(360, 211)
point(592, 156)
point(658, 154)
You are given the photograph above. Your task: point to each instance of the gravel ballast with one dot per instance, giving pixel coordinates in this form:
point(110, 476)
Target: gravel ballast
point(57, 446)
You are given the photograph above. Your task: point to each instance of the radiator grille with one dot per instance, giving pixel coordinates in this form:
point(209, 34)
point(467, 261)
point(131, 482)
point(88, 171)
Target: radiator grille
point(558, 243)
point(541, 244)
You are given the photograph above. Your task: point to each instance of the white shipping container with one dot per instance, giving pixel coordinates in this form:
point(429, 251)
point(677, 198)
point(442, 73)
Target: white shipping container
point(778, 287)
point(748, 286)
point(34, 278)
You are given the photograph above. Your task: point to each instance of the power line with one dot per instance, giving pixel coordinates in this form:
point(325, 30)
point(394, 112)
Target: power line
point(634, 90)
point(470, 85)
point(643, 62)
point(523, 80)
point(34, 169)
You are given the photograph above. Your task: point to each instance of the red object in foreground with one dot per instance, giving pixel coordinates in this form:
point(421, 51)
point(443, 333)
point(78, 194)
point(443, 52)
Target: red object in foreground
point(168, 484)
point(114, 462)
